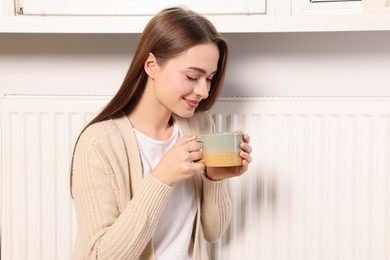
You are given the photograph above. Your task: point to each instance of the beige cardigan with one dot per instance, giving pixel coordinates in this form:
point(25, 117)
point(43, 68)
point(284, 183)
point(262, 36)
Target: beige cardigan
point(117, 209)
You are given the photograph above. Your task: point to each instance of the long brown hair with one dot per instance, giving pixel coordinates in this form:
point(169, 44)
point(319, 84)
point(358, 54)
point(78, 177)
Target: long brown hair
point(167, 35)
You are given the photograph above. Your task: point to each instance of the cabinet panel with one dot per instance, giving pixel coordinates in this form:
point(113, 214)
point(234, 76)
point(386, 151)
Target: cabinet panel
point(146, 7)
point(326, 7)
point(231, 16)
point(1, 168)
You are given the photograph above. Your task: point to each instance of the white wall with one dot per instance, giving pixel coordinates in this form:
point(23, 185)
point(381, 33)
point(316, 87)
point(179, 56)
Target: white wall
point(265, 64)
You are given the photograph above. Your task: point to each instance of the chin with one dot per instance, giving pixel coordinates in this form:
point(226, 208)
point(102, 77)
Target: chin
point(186, 114)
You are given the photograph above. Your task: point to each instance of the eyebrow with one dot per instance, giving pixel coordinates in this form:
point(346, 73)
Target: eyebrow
point(201, 70)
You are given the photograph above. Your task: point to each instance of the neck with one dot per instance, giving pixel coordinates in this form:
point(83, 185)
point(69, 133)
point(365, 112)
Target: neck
point(151, 118)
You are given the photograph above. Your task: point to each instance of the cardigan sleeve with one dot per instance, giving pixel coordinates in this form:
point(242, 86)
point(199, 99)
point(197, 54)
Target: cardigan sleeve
point(216, 208)
point(105, 230)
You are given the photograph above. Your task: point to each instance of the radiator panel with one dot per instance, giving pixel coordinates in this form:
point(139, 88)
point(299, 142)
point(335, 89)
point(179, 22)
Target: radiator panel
point(38, 220)
point(318, 187)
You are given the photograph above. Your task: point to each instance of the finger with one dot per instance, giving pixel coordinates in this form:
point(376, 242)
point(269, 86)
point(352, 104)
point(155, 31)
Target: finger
point(193, 146)
point(244, 166)
point(246, 138)
point(246, 147)
point(198, 167)
point(246, 156)
point(195, 156)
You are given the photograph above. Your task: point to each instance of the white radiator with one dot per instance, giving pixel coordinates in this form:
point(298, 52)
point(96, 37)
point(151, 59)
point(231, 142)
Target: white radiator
point(318, 187)
point(38, 220)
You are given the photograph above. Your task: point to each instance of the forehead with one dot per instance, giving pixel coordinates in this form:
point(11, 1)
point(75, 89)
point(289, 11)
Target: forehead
point(204, 56)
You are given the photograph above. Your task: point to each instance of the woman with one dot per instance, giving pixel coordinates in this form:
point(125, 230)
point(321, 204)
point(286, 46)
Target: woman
point(139, 187)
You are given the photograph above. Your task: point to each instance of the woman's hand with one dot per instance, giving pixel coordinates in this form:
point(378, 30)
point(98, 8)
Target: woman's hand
point(220, 173)
point(180, 162)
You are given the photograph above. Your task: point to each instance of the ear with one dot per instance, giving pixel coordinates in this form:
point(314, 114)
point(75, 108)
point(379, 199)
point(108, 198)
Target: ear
point(150, 65)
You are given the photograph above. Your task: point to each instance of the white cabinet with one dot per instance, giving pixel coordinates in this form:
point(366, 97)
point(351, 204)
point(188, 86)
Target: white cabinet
point(230, 16)
point(145, 7)
point(320, 7)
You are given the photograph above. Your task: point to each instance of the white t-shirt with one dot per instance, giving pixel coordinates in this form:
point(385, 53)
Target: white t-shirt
point(172, 236)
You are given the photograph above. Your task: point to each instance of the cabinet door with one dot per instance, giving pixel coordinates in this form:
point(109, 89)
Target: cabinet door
point(326, 7)
point(145, 7)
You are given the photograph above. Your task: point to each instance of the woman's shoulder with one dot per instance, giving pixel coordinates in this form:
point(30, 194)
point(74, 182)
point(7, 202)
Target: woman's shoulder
point(98, 131)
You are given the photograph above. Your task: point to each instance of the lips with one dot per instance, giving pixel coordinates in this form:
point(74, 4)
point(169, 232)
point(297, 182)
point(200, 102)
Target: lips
point(191, 103)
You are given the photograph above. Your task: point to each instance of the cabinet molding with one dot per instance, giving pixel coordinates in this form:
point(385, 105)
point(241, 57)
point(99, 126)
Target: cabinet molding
point(244, 16)
point(223, 23)
point(145, 7)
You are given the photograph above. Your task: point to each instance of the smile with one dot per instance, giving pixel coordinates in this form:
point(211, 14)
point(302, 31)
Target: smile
point(191, 103)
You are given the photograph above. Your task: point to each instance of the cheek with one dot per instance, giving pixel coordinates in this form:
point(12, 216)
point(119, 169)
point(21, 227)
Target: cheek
point(179, 83)
point(173, 82)
point(169, 86)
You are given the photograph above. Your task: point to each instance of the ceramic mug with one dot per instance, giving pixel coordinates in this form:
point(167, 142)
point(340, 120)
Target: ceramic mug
point(221, 149)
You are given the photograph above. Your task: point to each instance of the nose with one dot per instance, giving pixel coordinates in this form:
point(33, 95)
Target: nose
point(202, 89)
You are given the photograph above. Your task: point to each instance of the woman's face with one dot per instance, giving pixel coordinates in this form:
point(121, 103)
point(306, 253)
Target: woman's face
point(182, 82)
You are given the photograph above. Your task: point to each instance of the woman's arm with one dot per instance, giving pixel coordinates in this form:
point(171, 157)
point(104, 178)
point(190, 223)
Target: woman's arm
point(216, 208)
point(107, 231)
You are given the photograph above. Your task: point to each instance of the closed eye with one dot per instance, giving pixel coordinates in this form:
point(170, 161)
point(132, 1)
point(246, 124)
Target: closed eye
point(191, 78)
